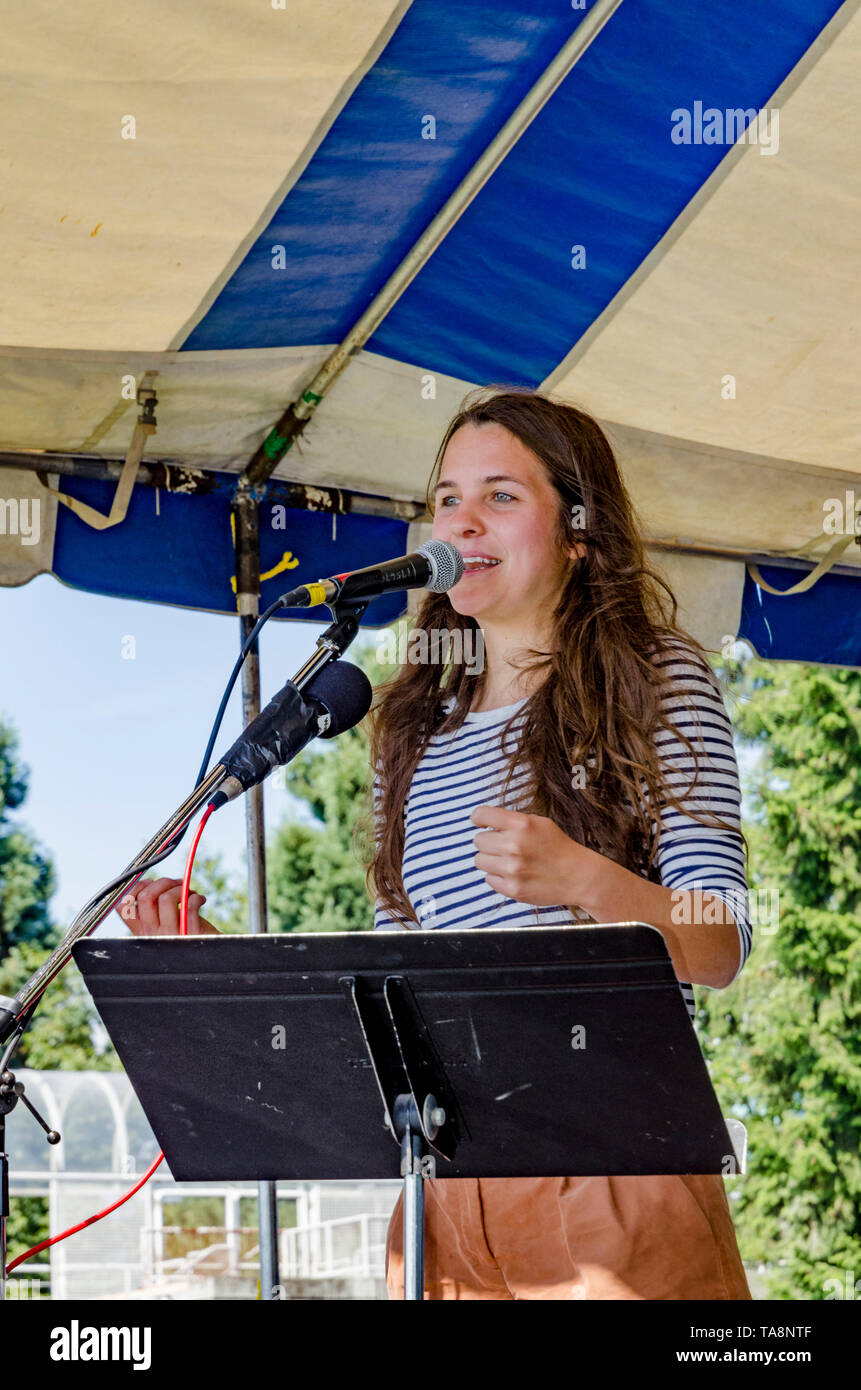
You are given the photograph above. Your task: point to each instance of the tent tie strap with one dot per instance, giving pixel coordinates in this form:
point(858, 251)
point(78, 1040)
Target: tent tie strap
point(145, 426)
point(830, 558)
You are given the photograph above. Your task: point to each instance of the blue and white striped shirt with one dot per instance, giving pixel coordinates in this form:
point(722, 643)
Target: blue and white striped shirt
point(465, 769)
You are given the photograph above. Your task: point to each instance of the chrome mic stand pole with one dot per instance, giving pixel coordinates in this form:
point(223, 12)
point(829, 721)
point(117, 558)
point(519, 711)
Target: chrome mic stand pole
point(246, 532)
point(98, 908)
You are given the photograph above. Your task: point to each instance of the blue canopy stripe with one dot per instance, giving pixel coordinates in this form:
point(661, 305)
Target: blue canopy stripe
point(498, 301)
point(601, 259)
point(822, 625)
point(178, 549)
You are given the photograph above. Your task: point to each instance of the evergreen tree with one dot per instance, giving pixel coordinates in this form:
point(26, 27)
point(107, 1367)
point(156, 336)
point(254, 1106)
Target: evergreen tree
point(61, 1032)
point(65, 1033)
point(316, 871)
point(26, 875)
point(783, 1042)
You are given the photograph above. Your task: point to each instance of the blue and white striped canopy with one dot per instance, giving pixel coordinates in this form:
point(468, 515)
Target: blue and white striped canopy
point(648, 207)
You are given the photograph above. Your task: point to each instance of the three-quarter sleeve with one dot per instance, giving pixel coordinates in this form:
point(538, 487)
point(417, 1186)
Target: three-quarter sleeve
point(382, 920)
point(691, 855)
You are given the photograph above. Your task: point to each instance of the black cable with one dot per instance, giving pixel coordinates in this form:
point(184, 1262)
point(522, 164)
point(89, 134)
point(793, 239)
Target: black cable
point(21, 1024)
point(249, 642)
point(136, 872)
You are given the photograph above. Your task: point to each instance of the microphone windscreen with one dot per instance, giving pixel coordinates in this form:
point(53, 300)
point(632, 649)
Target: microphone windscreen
point(345, 694)
point(446, 565)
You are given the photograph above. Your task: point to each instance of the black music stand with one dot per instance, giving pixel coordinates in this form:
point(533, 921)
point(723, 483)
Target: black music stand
point(490, 1053)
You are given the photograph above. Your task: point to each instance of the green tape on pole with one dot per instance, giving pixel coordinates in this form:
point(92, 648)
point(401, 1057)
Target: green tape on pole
point(311, 398)
point(275, 445)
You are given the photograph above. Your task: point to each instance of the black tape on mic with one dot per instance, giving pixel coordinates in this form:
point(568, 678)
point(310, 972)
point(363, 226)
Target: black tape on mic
point(336, 699)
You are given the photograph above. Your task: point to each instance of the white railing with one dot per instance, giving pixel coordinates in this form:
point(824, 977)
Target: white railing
point(223, 1253)
point(343, 1247)
point(309, 1252)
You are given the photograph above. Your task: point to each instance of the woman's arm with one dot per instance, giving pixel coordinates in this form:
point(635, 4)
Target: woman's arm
point(700, 930)
point(700, 906)
point(529, 859)
point(704, 917)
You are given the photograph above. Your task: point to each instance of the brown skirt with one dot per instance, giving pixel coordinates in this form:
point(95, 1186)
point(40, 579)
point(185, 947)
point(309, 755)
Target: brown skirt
point(574, 1238)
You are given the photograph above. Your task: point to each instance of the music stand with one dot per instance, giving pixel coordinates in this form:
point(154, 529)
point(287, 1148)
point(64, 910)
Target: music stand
point(483, 1053)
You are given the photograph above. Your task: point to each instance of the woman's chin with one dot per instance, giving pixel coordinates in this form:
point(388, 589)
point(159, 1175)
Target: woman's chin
point(468, 607)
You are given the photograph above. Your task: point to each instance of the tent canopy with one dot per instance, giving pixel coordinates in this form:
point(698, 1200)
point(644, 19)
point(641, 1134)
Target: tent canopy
point(218, 199)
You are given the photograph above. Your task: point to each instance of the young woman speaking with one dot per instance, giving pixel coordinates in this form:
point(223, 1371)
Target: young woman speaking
point(586, 773)
point(583, 771)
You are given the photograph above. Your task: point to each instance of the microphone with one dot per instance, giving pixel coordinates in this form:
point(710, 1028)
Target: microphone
point(436, 565)
point(336, 699)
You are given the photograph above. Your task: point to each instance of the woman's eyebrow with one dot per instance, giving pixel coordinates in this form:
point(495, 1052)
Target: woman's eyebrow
point(492, 478)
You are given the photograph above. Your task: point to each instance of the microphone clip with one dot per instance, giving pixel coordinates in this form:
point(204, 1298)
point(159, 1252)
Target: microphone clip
point(345, 625)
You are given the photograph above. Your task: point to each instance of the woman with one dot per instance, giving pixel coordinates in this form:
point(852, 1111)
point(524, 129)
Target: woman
point(586, 772)
point(583, 770)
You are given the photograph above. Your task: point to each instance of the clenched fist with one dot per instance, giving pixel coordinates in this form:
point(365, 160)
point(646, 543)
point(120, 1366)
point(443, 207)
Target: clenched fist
point(529, 859)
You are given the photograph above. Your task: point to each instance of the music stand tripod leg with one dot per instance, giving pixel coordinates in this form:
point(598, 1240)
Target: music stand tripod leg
point(408, 1129)
point(4, 1202)
point(11, 1091)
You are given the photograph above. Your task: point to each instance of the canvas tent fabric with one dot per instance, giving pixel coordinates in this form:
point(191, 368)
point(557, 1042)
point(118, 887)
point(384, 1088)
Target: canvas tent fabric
point(216, 198)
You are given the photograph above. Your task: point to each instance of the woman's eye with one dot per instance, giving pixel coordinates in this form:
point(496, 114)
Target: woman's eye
point(443, 501)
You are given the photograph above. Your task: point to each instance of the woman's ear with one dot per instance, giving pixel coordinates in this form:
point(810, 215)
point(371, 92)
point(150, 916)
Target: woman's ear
point(578, 551)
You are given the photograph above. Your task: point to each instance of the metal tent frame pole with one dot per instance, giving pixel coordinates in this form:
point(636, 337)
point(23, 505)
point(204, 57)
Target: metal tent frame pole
point(294, 419)
point(246, 542)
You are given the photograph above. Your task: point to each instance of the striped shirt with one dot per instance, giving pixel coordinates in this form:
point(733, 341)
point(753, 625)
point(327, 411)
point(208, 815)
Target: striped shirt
point(461, 770)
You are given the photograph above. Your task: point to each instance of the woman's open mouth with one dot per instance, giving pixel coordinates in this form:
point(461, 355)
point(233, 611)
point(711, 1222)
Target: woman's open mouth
point(479, 564)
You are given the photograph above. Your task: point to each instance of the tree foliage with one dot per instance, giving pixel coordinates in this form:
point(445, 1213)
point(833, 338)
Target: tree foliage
point(61, 1034)
point(65, 1033)
point(316, 868)
point(26, 874)
point(226, 904)
point(27, 1226)
point(783, 1043)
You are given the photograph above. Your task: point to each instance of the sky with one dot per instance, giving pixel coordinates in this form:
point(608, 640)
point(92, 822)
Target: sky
point(114, 740)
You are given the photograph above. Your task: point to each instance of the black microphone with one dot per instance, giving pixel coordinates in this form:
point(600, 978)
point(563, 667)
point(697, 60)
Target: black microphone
point(336, 699)
point(436, 565)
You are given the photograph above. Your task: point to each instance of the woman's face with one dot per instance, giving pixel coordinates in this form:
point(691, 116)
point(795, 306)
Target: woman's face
point(495, 499)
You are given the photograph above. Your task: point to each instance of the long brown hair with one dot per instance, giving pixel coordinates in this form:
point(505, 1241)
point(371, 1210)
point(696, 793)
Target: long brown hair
point(599, 705)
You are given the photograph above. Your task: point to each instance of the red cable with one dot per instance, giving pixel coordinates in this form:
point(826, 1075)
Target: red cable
point(52, 1240)
point(186, 882)
point(183, 931)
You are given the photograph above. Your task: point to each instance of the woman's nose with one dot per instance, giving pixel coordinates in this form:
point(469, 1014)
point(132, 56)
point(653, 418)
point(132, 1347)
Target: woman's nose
point(466, 520)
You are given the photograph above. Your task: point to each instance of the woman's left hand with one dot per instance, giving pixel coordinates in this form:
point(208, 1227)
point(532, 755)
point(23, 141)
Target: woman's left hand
point(528, 858)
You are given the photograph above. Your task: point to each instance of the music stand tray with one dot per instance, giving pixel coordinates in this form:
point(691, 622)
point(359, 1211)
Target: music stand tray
point(560, 1051)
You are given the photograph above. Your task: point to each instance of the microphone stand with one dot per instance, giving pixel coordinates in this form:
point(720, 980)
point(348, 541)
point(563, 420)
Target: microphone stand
point(11, 1091)
point(16, 1014)
point(330, 646)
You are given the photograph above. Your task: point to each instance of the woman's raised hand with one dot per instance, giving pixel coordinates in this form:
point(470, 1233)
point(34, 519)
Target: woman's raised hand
point(151, 908)
point(530, 860)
